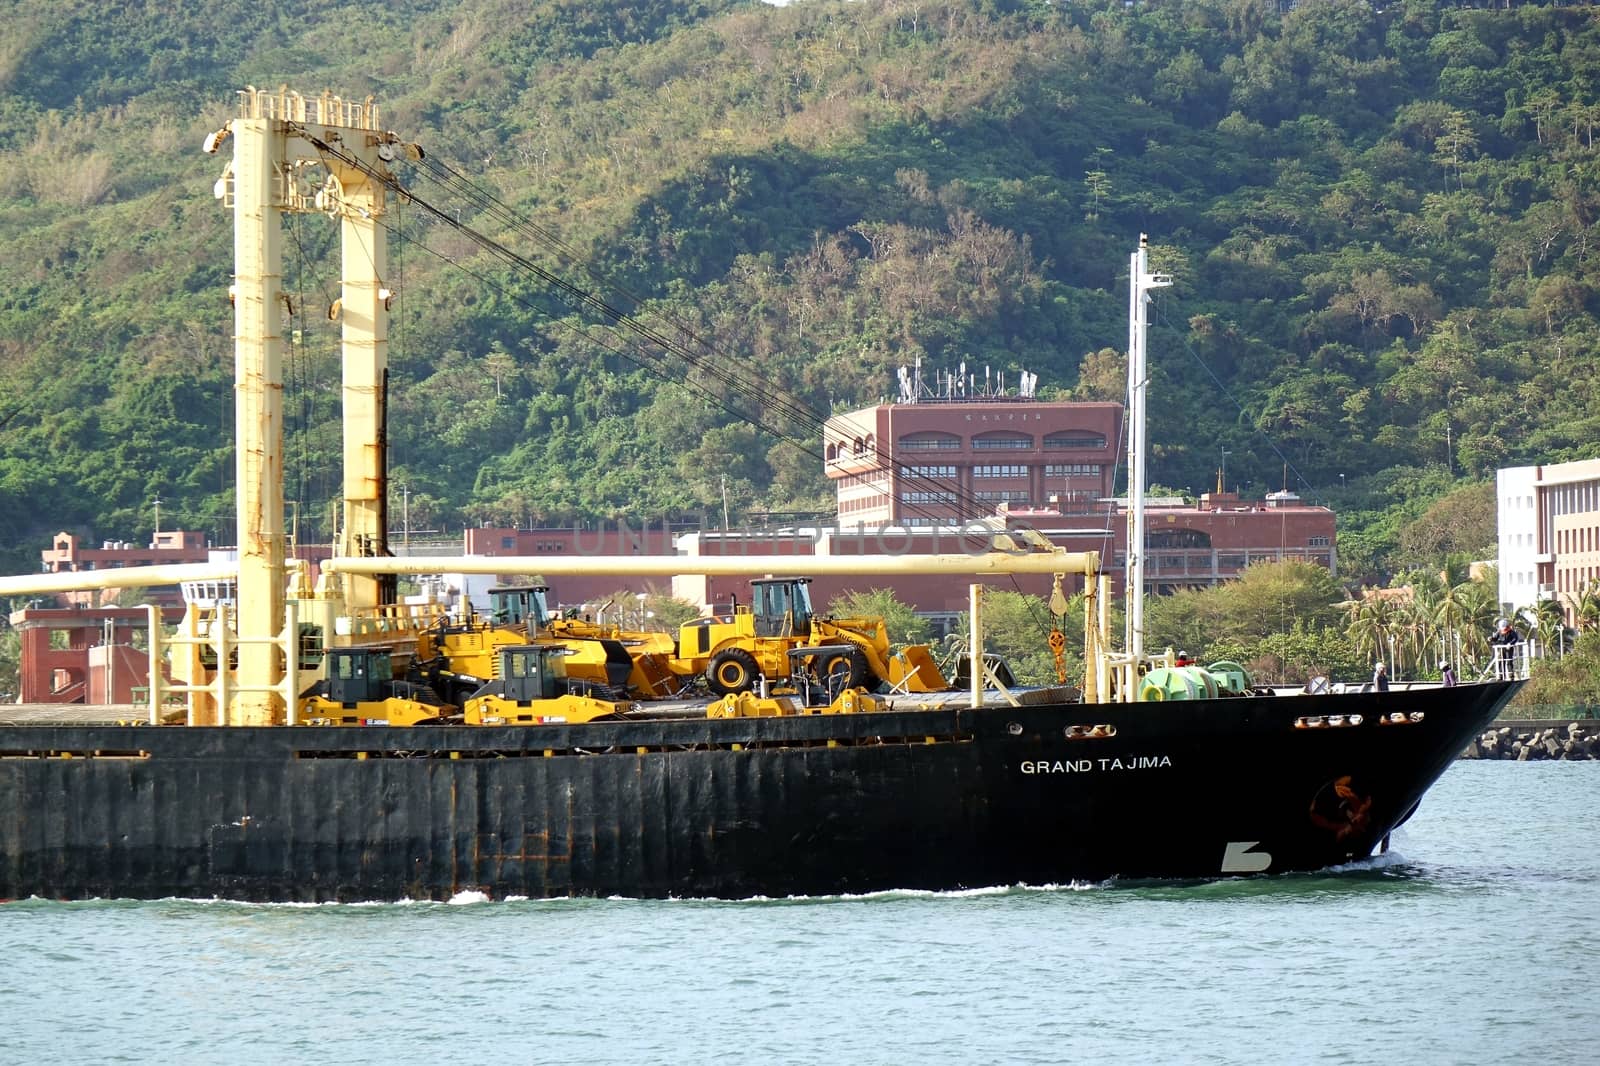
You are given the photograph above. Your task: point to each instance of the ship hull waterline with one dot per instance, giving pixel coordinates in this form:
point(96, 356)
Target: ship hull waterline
point(732, 808)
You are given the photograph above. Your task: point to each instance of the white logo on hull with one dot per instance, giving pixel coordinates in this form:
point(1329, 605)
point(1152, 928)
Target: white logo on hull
point(1239, 859)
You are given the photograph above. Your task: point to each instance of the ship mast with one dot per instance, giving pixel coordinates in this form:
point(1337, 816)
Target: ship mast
point(1140, 282)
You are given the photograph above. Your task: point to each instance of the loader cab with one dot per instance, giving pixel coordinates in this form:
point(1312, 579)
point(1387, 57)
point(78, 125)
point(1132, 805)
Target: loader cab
point(511, 605)
point(781, 607)
point(358, 675)
point(531, 672)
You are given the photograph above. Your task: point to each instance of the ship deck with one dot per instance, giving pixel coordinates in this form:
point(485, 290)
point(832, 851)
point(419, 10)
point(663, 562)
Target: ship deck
point(48, 714)
point(80, 714)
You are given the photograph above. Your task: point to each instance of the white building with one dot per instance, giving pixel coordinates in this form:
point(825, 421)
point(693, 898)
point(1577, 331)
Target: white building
point(1549, 532)
point(1518, 527)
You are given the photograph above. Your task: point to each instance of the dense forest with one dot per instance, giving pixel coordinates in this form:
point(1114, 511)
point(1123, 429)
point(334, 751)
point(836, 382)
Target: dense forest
point(1379, 219)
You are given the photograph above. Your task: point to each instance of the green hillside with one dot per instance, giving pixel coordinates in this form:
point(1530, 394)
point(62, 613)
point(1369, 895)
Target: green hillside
point(1381, 222)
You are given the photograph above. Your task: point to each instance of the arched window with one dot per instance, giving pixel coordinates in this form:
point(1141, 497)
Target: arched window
point(928, 441)
point(1002, 442)
point(1070, 439)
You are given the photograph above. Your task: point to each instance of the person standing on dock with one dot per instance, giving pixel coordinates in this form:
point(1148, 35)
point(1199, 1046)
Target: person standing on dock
point(1380, 679)
point(1447, 676)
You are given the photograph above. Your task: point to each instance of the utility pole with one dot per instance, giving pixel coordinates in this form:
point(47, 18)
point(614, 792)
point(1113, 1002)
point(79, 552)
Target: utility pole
point(157, 537)
point(724, 503)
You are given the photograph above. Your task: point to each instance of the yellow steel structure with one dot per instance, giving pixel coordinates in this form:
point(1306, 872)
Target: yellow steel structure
point(280, 166)
point(988, 563)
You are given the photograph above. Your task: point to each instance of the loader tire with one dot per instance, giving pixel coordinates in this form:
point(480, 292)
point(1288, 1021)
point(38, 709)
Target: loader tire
point(849, 670)
point(731, 670)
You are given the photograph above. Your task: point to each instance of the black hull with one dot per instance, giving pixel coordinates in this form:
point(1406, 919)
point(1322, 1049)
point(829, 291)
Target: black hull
point(732, 808)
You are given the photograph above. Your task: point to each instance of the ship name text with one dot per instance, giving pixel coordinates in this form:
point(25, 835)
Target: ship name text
point(1085, 766)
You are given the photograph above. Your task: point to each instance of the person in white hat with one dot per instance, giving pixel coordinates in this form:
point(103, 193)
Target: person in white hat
point(1504, 643)
point(1380, 679)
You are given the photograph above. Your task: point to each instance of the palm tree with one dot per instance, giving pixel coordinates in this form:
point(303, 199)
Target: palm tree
point(1371, 619)
point(1452, 614)
point(1587, 611)
point(1482, 607)
point(1411, 631)
point(1548, 623)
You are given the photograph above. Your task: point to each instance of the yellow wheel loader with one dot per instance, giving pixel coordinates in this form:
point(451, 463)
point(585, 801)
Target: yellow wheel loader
point(533, 689)
point(459, 658)
point(360, 689)
point(733, 650)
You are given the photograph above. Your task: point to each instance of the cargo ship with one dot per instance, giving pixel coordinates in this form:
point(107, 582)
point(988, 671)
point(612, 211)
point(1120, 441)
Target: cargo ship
point(1147, 769)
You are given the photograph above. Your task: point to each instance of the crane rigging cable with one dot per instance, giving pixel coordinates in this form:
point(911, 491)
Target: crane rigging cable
point(677, 353)
point(651, 356)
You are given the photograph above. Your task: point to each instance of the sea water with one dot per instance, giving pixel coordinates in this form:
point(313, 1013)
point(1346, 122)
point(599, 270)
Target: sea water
point(1472, 941)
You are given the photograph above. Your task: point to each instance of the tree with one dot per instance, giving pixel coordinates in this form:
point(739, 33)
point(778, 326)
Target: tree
point(1273, 597)
point(1457, 142)
point(1016, 625)
point(1371, 622)
point(904, 625)
point(1546, 626)
point(1460, 523)
point(1102, 376)
point(1587, 609)
point(664, 612)
point(10, 661)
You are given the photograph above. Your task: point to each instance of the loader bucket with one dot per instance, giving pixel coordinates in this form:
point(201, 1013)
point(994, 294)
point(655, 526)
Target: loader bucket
point(913, 670)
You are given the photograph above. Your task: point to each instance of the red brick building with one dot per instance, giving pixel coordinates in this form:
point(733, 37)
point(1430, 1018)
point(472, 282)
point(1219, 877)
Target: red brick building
point(1188, 546)
point(949, 460)
point(1192, 546)
point(68, 553)
point(648, 539)
point(102, 657)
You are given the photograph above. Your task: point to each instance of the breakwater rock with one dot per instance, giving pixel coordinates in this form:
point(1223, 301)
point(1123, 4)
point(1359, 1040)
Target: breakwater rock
point(1531, 741)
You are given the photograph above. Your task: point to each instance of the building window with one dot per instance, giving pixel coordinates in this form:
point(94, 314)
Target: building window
point(927, 471)
point(1004, 496)
point(929, 442)
point(508, 542)
point(1002, 442)
point(1000, 470)
point(1072, 470)
point(1318, 542)
point(1178, 538)
point(1074, 438)
point(930, 497)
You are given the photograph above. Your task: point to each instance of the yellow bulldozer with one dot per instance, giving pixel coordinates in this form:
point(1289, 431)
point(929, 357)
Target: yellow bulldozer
point(733, 650)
